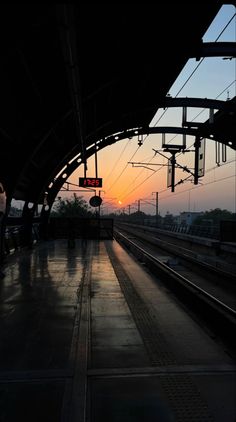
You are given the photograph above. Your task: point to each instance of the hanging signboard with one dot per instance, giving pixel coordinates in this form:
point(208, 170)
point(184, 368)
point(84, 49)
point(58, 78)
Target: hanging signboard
point(201, 159)
point(95, 201)
point(169, 173)
point(90, 182)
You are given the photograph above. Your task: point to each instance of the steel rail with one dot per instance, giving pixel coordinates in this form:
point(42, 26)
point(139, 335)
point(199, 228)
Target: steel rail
point(189, 256)
point(229, 312)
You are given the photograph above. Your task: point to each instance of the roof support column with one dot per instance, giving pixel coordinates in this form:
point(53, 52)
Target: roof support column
point(27, 222)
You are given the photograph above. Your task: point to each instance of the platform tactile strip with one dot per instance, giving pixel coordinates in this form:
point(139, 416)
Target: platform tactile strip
point(154, 341)
point(185, 399)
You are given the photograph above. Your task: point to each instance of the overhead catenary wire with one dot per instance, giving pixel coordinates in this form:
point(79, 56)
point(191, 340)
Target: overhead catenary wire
point(139, 174)
point(202, 184)
point(224, 90)
point(118, 159)
point(119, 176)
point(192, 188)
point(196, 187)
point(203, 58)
point(226, 26)
point(202, 111)
point(166, 189)
point(188, 190)
point(215, 167)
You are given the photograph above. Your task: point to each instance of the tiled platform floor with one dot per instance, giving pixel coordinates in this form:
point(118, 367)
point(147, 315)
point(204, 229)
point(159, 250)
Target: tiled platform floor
point(82, 332)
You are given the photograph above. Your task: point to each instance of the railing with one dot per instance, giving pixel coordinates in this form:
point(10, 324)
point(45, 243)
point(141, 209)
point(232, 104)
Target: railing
point(210, 231)
point(14, 237)
point(75, 227)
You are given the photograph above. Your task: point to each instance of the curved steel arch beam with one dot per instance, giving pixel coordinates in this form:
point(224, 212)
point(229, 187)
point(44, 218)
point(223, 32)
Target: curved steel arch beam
point(169, 102)
point(216, 49)
point(73, 165)
point(202, 130)
point(228, 106)
point(57, 184)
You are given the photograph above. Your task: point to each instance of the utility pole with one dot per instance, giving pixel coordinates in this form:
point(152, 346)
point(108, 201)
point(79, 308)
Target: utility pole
point(129, 209)
point(156, 207)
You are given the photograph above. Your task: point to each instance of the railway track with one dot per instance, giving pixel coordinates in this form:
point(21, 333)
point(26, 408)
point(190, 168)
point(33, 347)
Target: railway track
point(194, 249)
point(208, 292)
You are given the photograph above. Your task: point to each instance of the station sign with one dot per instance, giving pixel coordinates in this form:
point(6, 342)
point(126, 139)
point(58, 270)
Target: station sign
point(90, 182)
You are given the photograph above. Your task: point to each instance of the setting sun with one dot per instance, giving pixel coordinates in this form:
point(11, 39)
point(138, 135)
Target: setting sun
point(119, 202)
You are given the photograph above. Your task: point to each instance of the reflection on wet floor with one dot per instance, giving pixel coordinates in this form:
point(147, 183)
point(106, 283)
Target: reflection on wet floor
point(146, 356)
point(38, 302)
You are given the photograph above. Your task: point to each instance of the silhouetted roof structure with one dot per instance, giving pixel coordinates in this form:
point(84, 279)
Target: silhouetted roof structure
point(71, 75)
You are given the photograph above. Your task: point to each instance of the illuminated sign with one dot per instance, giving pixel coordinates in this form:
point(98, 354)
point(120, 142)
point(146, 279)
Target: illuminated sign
point(90, 182)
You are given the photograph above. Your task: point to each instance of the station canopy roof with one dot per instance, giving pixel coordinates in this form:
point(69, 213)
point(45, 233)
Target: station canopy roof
point(72, 74)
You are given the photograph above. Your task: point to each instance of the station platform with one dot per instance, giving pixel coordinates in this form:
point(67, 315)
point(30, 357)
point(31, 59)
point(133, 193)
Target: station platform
point(88, 334)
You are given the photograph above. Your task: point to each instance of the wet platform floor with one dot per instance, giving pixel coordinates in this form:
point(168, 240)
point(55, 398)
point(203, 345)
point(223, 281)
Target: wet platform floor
point(88, 334)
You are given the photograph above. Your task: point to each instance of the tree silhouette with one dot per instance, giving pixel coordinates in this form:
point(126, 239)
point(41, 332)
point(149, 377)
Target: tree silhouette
point(72, 207)
point(214, 216)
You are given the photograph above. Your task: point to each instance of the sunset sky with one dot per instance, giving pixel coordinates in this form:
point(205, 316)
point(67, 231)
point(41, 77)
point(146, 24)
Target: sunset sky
point(123, 184)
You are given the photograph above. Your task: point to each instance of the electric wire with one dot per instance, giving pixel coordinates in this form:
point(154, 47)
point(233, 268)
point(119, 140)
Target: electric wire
point(225, 27)
point(189, 190)
point(225, 89)
point(203, 184)
point(190, 76)
point(118, 159)
point(119, 176)
point(197, 187)
point(192, 144)
point(222, 92)
point(166, 189)
point(139, 174)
